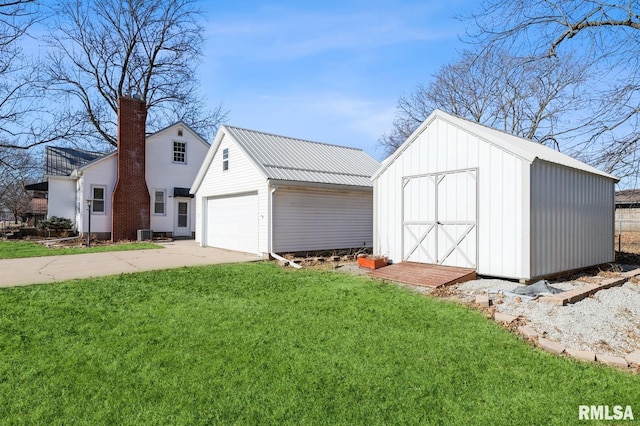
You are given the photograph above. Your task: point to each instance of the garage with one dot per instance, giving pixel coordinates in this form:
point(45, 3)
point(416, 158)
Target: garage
point(269, 194)
point(232, 222)
point(457, 193)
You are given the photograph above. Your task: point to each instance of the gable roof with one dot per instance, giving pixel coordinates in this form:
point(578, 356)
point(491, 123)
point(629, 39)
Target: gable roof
point(61, 161)
point(184, 126)
point(520, 147)
point(288, 159)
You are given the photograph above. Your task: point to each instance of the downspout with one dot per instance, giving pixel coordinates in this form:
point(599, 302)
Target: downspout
point(273, 189)
point(273, 255)
point(79, 198)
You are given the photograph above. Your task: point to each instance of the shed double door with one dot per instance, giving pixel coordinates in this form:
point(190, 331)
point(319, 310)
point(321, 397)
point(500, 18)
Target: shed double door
point(439, 218)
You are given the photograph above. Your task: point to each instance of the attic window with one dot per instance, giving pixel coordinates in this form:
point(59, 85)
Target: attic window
point(179, 132)
point(179, 152)
point(225, 159)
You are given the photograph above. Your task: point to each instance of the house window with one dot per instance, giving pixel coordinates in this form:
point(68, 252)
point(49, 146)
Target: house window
point(179, 132)
point(158, 202)
point(98, 194)
point(225, 159)
point(179, 152)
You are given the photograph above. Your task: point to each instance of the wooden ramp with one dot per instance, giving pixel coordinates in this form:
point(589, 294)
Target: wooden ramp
point(423, 274)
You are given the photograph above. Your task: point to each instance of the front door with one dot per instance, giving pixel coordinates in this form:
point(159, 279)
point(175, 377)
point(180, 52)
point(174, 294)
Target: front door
point(182, 228)
point(439, 218)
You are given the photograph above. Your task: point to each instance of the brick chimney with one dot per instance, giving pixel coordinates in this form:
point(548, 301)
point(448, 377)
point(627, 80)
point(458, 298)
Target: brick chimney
point(131, 202)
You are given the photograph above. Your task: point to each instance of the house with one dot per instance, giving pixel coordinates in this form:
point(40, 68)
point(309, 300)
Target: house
point(142, 185)
point(263, 193)
point(628, 210)
point(38, 210)
point(461, 194)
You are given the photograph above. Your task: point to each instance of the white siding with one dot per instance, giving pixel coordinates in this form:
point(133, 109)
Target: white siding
point(62, 197)
point(310, 219)
point(162, 173)
point(443, 147)
point(241, 177)
point(571, 219)
point(102, 173)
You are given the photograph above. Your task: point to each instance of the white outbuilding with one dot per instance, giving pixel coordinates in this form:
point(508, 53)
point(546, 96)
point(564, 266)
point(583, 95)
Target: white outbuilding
point(462, 194)
point(263, 193)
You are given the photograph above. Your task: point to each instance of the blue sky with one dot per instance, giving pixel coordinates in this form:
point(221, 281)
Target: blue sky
point(329, 71)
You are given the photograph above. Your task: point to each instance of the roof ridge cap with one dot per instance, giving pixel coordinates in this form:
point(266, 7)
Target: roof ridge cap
point(292, 138)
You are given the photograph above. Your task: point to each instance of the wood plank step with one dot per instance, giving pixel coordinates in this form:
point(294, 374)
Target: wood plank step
point(423, 274)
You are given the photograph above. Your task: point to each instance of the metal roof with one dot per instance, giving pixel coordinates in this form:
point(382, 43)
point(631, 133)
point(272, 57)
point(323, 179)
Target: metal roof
point(627, 197)
point(289, 159)
point(61, 161)
point(521, 147)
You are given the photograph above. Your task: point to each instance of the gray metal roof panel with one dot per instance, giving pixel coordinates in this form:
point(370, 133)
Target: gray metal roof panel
point(285, 158)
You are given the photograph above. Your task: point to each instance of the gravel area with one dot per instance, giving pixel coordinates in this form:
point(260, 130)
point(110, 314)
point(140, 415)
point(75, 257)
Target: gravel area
point(607, 322)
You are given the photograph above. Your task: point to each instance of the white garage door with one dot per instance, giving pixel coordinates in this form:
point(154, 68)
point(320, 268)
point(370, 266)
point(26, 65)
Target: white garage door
point(232, 222)
point(439, 218)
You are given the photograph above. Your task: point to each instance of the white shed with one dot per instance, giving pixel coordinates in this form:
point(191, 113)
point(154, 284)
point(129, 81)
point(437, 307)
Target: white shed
point(263, 193)
point(462, 194)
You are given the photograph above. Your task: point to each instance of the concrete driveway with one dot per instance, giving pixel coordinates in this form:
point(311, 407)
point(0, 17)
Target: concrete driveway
point(38, 270)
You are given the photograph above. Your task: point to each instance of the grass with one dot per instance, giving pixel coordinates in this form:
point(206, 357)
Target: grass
point(18, 249)
point(255, 344)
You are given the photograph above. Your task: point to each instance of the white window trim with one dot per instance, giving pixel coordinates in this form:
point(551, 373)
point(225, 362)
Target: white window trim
point(225, 160)
point(104, 200)
point(173, 153)
point(164, 201)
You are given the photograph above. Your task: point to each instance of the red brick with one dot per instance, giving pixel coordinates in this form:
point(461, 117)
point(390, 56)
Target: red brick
point(131, 203)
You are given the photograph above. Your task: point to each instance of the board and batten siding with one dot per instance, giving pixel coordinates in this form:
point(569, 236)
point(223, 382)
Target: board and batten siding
point(502, 195)
point(571, 219)
point(241, 177)
point(316, 219)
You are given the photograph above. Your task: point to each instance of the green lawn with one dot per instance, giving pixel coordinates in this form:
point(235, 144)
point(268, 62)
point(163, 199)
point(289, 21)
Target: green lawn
point(17, 249)
point(255, 344)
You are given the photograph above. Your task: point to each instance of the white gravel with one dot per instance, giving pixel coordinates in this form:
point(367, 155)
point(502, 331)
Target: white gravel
point(606, 323)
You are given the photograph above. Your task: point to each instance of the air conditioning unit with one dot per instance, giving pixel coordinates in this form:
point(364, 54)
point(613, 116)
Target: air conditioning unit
point(145, 235)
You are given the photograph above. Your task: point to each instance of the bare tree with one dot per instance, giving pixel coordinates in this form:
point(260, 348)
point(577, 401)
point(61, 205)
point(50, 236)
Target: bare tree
point(104, 49)
point(514, 94)
point(603, 35)
point(18, 167)
point(17, 201)
point(21, 107)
